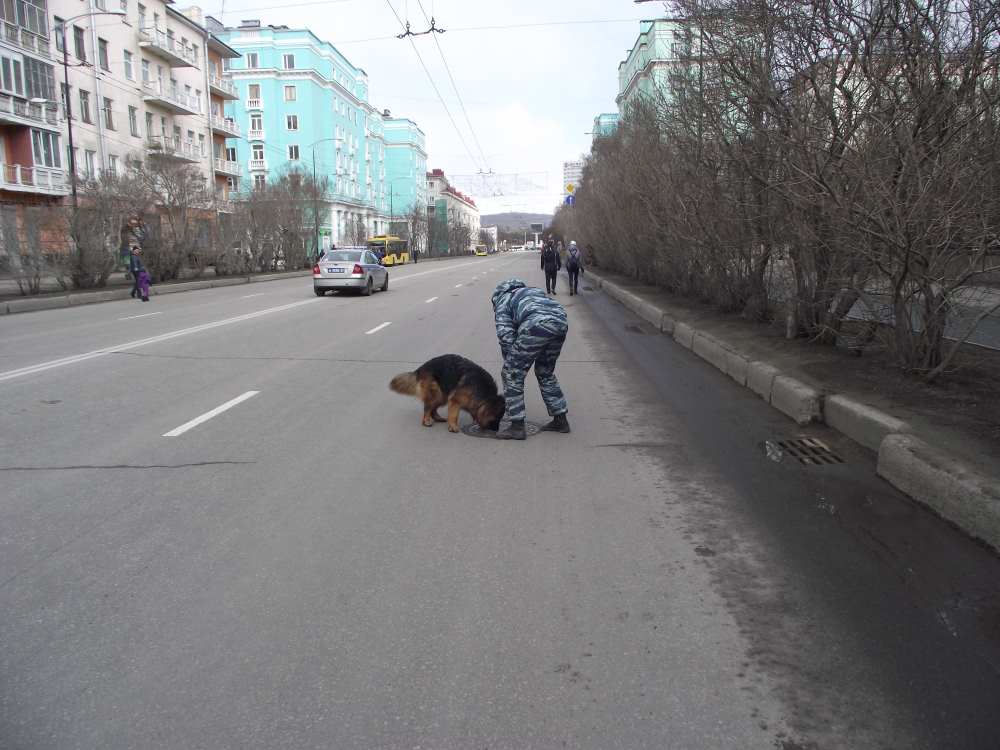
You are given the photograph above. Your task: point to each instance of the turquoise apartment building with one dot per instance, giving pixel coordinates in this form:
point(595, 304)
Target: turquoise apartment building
point(662, 48)
point(605, 124)
point(301, 98)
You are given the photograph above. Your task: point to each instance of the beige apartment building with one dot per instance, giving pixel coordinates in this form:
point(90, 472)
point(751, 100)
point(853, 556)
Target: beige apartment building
point(149, 83)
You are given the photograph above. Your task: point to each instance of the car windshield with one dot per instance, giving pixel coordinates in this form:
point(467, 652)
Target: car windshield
point(350, 256)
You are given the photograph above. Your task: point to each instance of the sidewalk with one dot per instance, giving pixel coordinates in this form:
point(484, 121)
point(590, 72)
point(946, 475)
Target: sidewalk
point(937, 444)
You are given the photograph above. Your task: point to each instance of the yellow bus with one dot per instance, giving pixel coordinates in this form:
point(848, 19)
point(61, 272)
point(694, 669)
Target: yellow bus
point(394, 251)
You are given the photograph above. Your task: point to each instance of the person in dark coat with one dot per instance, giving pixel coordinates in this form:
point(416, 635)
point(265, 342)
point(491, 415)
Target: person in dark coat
point(531, 329)
point(574, 265)
point(551, 265)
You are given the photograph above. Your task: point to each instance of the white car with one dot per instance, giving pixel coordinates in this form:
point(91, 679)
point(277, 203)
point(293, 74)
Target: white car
point(355, 268)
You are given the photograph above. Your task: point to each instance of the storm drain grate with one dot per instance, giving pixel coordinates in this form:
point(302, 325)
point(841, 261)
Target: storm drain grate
point(809, 451)
point(474, 430)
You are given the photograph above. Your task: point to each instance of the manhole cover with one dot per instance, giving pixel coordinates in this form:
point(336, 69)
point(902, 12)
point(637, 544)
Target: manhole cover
point(474, 430)
point(809, 451)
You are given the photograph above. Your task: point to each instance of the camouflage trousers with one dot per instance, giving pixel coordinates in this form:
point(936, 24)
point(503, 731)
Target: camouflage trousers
point(538, 343)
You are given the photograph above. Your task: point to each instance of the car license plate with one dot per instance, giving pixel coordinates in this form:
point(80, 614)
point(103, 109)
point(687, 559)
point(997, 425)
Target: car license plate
point(335, 270)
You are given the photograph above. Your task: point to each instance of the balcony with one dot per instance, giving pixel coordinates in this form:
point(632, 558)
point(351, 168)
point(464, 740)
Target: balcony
point(169, 97)
point(226, 167)
point(257, 165)
point(173, 148)
point(25, 39)
point(225, 126)
point(223, 87)
point(20, 112)
point(255, 134)
point(224, 206)
point(255, 104)
point(41, 180)
point(157, 42)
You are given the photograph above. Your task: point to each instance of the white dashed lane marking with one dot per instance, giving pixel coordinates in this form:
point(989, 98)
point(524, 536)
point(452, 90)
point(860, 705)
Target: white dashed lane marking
point(209, 414)
point(378, 328)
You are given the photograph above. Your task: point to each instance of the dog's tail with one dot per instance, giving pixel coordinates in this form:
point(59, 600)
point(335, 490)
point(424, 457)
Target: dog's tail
point(405, 383)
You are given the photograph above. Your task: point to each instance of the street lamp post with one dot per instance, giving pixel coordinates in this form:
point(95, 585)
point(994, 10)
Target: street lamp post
point(313, 146)
point(66, 102)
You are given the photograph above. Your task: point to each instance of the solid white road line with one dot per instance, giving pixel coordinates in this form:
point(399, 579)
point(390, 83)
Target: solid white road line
point(258, 294)
point(429, 300)
point(378, 328)
point(144, 315)
point(209, 414)
point(43, 366)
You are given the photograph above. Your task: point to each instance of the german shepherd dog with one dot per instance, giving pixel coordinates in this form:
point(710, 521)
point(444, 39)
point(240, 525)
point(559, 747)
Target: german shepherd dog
point(458, 382)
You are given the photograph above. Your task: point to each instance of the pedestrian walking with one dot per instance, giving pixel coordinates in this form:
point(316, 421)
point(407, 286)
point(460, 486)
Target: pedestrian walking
point(551, 265)
point(531, 329)
point(574, 265)
point(135, 267)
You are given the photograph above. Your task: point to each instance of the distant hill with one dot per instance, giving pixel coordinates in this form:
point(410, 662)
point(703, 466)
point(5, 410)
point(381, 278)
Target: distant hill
point(514, 221)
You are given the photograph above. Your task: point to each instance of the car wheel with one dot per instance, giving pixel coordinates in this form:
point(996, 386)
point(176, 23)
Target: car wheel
point(385, 284)
point(319, 292)
point(368, 288)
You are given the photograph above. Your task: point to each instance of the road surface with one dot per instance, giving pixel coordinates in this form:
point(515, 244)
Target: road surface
point(220, 529)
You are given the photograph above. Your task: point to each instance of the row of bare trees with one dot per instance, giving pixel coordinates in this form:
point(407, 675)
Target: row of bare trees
point(167, 209)
point(801, 160)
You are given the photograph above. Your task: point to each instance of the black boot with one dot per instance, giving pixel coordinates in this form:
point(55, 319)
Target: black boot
point(559, 423)
point(514, 432)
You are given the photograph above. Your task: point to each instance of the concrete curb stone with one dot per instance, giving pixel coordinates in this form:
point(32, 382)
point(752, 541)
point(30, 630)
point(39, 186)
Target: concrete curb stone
point(32, 304)
point(684, 334)
point(861, 423)
point(799, 401)
point(737, 367)
point(957, 492)
point(760, 379)
point(709, 349)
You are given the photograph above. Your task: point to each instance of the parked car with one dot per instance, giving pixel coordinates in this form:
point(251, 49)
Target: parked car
point(355, 268)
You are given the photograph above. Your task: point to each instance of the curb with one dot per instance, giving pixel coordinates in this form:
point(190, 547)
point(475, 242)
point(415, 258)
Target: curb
point(951, 488)
point(965, 497)
point(35, 304)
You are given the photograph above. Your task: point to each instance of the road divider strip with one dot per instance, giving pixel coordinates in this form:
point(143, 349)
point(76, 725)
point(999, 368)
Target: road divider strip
point(209, 414)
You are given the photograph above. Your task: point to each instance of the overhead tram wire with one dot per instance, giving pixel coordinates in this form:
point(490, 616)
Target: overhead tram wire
point(430, 78)
point(454, 86)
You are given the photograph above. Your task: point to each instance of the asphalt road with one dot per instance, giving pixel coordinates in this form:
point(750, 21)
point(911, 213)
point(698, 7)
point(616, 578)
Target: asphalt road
point(312, 568)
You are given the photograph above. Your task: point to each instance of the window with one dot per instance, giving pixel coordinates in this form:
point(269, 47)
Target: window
point(89, 165)
point(64, 89)
point(142, 16)
point(289, 93)
point(58, 29)
point(231, 154)
point(45, 146)
point(85, 106)
point(288, 62)
point(259, 181)
point(293, 153)
point(102, 54)
point(253, 61)
point(253, 91)
point(123, 5)
point(109, 120)
point(258, 151)
point(231, 182)
point(201, 143)
point(133, 121)
point(129, 67)
point(149, 125)
point(292, 122)
point(226, 64)
point(11, 80)
point(39, 81)
point(78, 44)
point(256, 122)
point(145, 71)
point(113, 165)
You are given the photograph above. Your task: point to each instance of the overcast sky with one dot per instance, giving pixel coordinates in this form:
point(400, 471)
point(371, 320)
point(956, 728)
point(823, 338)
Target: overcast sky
point(531, 92)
